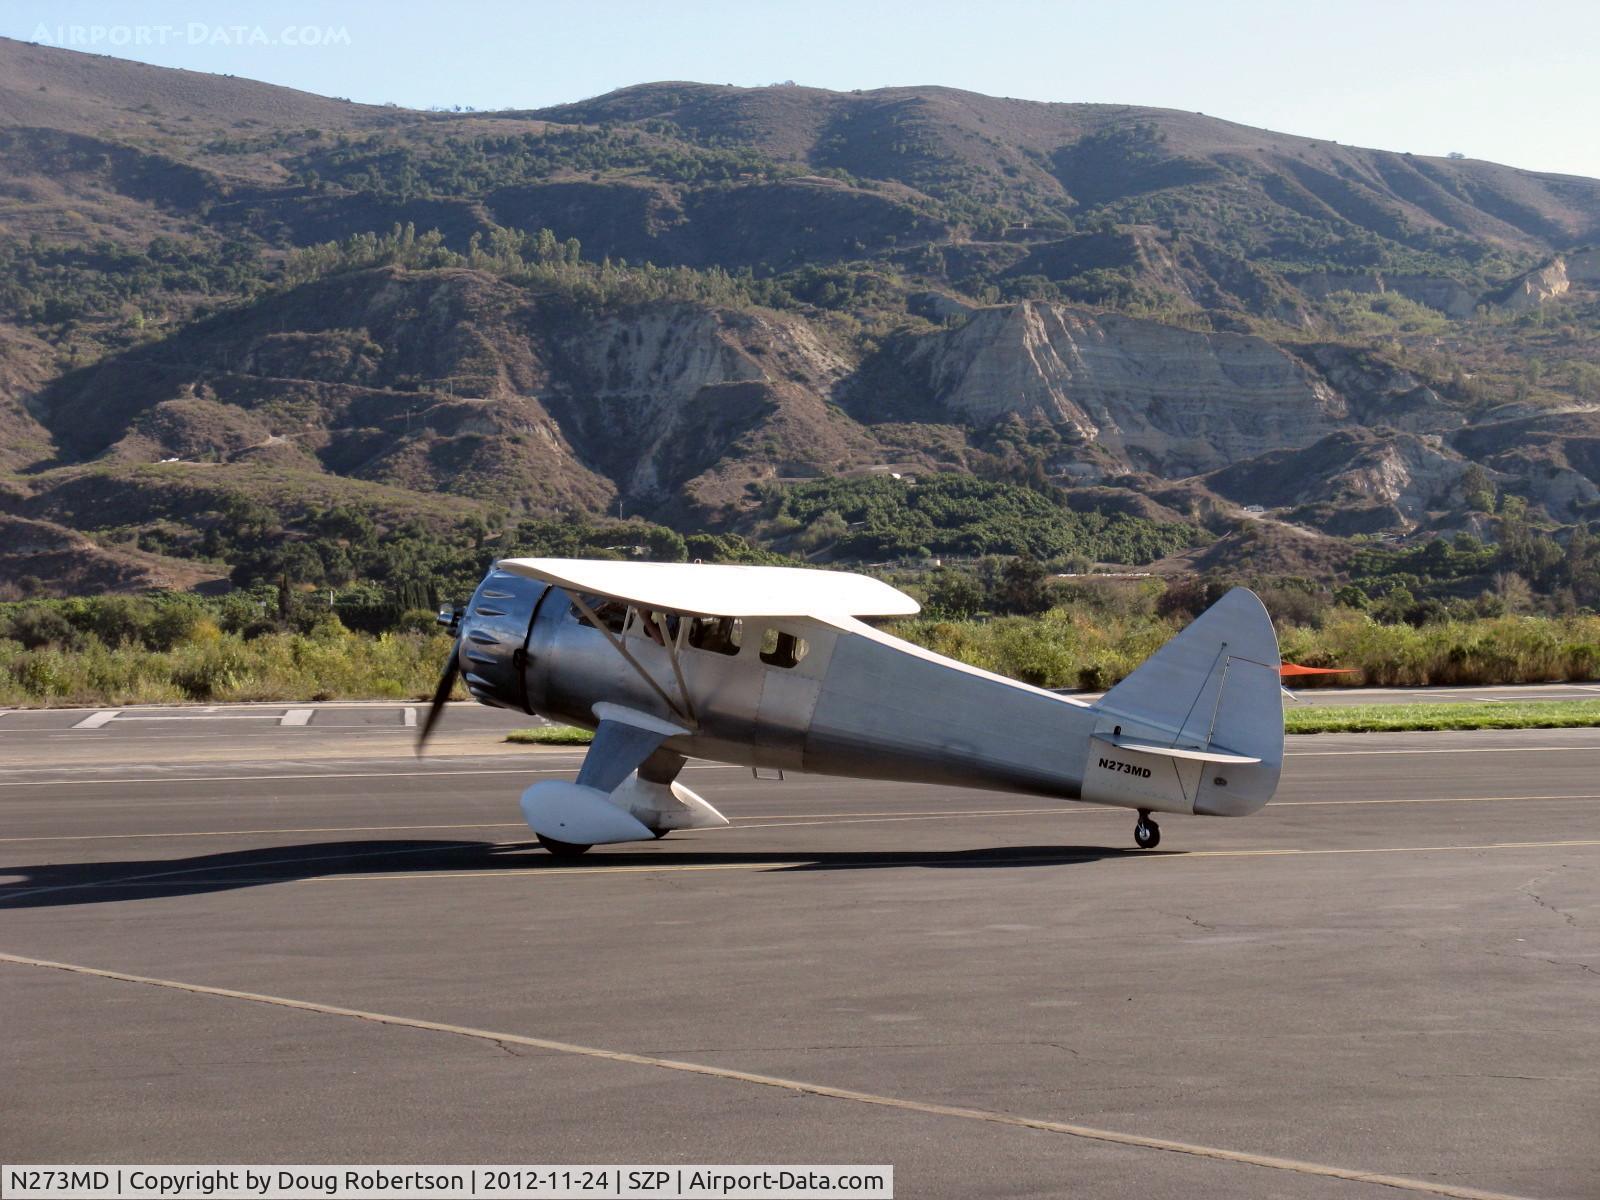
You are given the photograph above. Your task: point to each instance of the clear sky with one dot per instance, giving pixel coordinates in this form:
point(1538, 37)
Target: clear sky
point(1512, 82)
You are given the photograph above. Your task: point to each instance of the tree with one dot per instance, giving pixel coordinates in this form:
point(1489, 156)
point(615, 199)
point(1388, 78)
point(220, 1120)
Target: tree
point(1352, 596)
point(1513, 592)
point(955, 594)
point(1478, 489)
point(1024, 586)
point(827, 529)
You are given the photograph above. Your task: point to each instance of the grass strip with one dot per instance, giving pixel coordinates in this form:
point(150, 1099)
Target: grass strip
point(1402, 718)
point(551, 735)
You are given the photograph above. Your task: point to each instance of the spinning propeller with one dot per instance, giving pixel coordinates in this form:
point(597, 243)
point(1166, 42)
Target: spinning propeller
point(449, 618)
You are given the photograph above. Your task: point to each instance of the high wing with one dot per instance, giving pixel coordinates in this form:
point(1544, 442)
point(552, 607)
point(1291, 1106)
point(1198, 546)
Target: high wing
point(722, 590)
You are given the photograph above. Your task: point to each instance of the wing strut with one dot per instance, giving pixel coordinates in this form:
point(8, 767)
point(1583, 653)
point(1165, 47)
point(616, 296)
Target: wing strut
point(684, 710)
point(673, 645)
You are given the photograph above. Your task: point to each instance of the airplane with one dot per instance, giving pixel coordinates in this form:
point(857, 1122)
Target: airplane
point(774, 668)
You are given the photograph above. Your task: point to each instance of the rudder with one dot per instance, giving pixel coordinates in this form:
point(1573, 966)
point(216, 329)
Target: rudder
point(1198, 727)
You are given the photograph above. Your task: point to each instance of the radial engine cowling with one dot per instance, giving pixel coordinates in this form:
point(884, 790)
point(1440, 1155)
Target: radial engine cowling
point(493, 638)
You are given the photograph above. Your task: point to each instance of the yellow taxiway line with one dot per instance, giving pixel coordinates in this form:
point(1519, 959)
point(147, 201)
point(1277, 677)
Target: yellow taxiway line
point(945, 860)
point(195, 875)
point(786, 820)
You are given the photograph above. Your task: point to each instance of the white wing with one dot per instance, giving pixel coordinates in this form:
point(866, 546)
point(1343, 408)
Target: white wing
point(722, 590)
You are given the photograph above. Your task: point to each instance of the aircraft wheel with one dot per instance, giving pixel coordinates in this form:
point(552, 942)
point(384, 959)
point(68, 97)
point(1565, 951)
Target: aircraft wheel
point(1146, 834)
point(561, 849)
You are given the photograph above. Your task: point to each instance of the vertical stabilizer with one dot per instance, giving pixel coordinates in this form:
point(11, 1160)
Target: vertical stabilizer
point(1210, 699)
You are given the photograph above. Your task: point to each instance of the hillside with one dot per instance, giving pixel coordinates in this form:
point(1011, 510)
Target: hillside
point(681, 302)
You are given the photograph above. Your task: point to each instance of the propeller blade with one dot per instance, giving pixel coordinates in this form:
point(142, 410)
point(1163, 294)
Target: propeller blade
point(441, 696)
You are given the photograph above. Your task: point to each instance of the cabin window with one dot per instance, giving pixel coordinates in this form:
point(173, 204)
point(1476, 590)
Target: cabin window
point(613, 614)
point(658, 627)
point(720, 635)
point(781, 649)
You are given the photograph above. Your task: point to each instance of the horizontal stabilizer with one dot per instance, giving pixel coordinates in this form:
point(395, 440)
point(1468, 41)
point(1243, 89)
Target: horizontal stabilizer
point(1210, 754)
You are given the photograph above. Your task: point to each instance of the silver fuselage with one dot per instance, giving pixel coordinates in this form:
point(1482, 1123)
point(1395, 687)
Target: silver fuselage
point(860, 703)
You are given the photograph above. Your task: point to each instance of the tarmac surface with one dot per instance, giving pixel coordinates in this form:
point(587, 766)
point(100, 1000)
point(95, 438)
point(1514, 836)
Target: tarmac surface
point(250, 935)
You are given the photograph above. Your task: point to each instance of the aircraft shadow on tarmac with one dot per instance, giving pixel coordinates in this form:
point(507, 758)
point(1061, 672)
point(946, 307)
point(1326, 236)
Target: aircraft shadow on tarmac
point(61, 884)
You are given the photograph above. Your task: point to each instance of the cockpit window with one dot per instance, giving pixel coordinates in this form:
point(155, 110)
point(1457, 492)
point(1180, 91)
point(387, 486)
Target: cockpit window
point(720, 635)
point(613, 614)
point(781, 649)
point(659, 627)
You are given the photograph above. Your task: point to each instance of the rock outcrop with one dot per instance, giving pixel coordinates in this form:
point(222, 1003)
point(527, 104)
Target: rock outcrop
point(1536, 287)
point(1154, 397)
point(1379, 393)
point(1554, 457)
point(1439, 292)
point(1352, 481)
point(660, 396)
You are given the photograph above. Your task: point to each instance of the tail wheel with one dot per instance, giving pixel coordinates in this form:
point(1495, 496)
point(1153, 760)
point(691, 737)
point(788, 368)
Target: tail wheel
point(562, 849)
point(1146, 834)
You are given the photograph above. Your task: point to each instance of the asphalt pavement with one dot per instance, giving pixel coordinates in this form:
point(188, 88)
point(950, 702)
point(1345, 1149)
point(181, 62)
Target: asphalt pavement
point(246, 936)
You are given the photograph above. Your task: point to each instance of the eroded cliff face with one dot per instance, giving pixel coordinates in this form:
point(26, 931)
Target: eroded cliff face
point(1156, 398)
point(1354, 479)
point(1380, 394)
point(457, 382)
point(25, 369)
point(1438, 292)
point(659, 397)
point(1536, 287)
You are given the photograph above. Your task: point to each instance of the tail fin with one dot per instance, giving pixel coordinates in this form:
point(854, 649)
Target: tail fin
point(1200, 722)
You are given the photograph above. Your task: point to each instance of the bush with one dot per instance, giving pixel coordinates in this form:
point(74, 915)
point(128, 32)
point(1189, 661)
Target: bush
point(176, 622)
point(1093, 650)
point(213, 666)
point(36, 625)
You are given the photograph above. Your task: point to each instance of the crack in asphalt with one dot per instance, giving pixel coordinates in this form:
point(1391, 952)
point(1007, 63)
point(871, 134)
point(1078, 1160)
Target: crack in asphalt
point(1527, 890)
point(1192, 919)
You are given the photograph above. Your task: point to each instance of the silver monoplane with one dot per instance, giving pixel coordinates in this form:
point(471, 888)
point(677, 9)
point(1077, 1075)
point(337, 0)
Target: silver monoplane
point(772, 667)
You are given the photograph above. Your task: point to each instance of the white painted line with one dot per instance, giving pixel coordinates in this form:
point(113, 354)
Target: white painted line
point(782, 820)
point(1090, 1133)
point(297, 716)
point(15, 783)
point(80, 782)
point(248, 704)
point(409, 717)
point(95, 720)
point(201, 716)
point(213, 833)
point(737, 823)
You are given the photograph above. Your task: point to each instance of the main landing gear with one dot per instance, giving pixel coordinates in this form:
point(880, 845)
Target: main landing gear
point(1146, 834)
point(561, 849)
point(574, 849)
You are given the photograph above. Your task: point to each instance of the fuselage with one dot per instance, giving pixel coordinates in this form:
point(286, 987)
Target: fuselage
point(835, 696)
